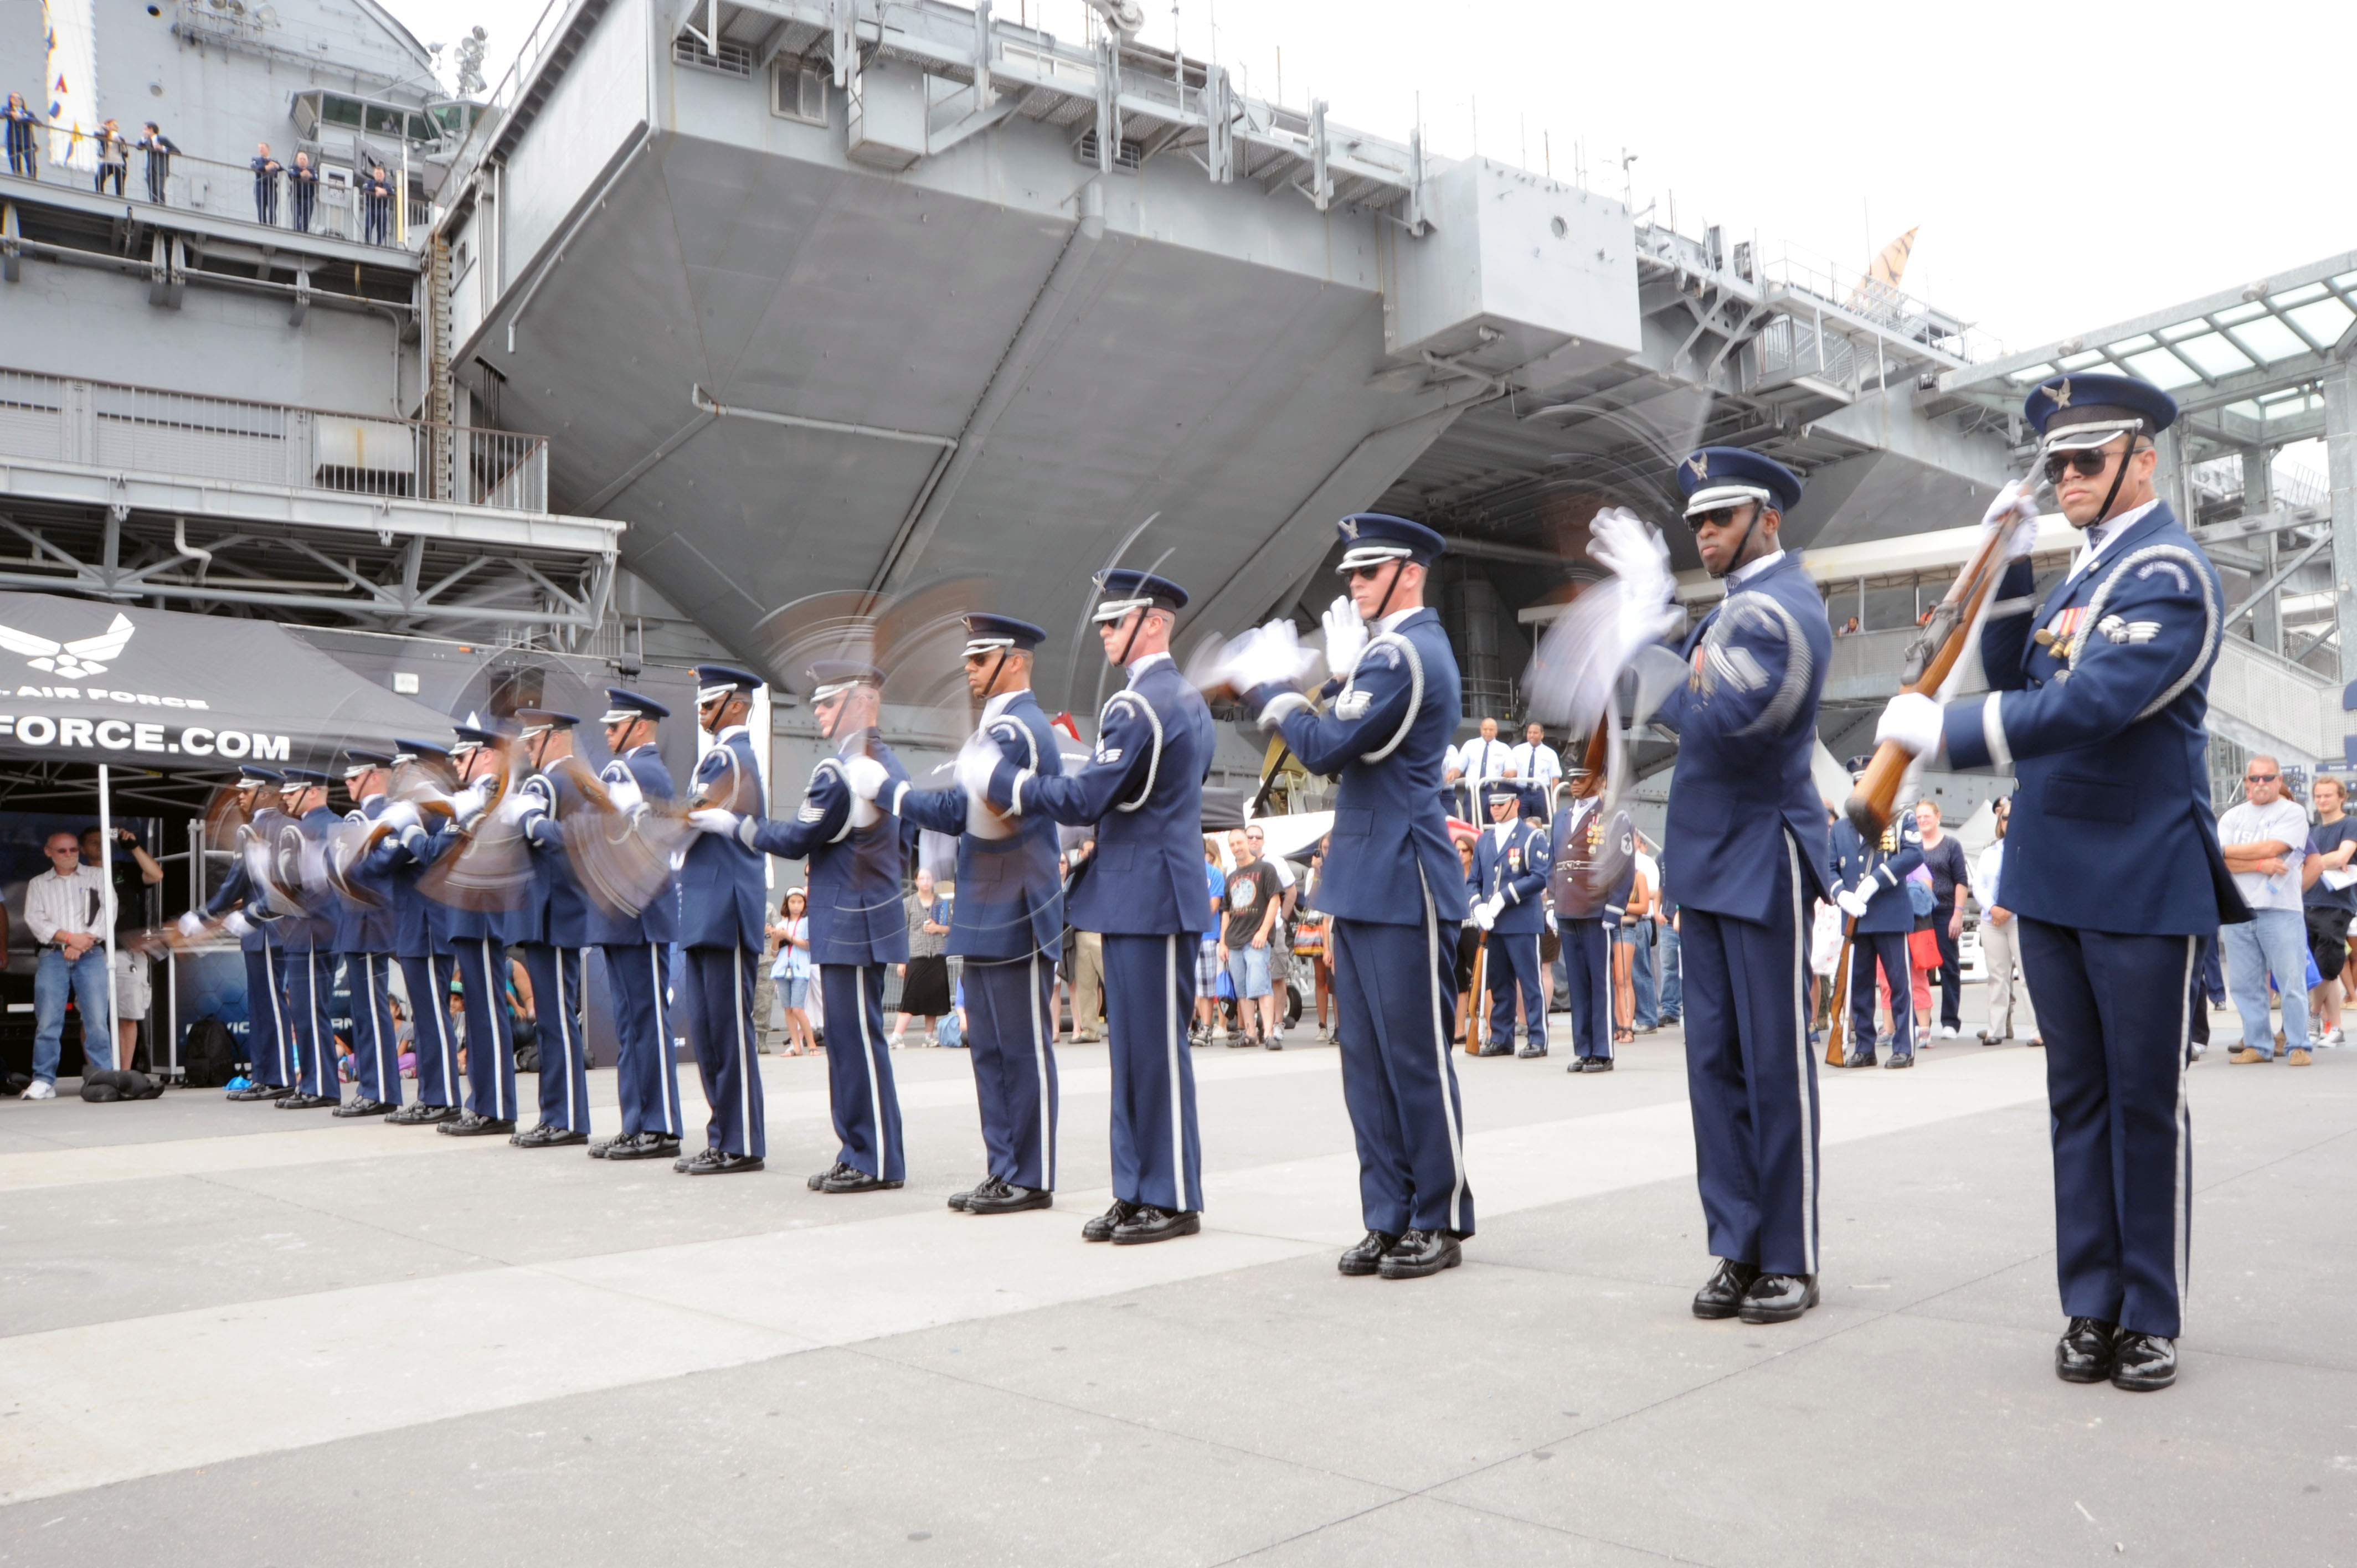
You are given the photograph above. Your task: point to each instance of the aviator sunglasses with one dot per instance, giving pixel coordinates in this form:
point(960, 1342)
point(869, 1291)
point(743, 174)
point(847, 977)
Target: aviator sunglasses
point(2086, 463)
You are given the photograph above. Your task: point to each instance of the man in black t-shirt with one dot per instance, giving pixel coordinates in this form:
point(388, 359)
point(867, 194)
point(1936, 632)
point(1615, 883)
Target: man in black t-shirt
point(2332, 843)
point(132, 875)
point(1943, 858)
point(1247, 927)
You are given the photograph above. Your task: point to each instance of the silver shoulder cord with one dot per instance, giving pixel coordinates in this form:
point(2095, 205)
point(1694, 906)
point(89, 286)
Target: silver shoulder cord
point(1154, 762)
point(1414, 690)
point(2210, 633)
point(832, 765)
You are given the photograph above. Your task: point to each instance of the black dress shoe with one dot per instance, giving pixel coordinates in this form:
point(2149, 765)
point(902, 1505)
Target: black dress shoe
point(851, 1178)
point(1152, 1224)
point(261, 1091)
point(817, 1181)
point(643, 1146)
point(466, 1124)
point(549, 1135)
point(364, 1108)
point(984, 1188)
point(1527, 1052)
point(1497, 1049)
point(1899, 1060)
point(2143, 1362)
point(1722, 1295)
point(1779, 1298)
point(719, 1162)
point(422, 1115)
point(2086, 1352)
point(1368, 1255)
point(299, 1102)
point(1858, 1058)
point(1010, 1199)
point(1600, 1064)
point(1102, 1228)
point(1420, 1252)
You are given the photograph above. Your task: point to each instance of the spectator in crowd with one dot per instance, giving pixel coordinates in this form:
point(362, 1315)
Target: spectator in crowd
point(1923, 956)
point(1483, 756)
point(113, 157)
point(925, 978)
point(1635, 918)
point(376, 205)
point(1280, 945)
point(1645, 985)
point(1943, 858)
point(1310, 933)
point(1253, 899)
point(20, 121)
point(793, 971)
point(1848, 627)
point(2332, 841)
point(1471, 1008)
point(1086, 955)
point(1533, 760)
point(302, 191)
point(159, 150)
point(1998, 954)
point(2264, 839)
point(1668, 953)
point(129, 879)
point(65, 908)
point(267, 171)
point(1207, 955)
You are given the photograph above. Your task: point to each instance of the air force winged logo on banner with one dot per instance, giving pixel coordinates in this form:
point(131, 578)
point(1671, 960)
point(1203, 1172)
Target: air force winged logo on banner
point(84, 656)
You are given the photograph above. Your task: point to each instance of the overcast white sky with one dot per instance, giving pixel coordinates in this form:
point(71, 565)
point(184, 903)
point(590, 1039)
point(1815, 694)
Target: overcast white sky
point(2067, 168)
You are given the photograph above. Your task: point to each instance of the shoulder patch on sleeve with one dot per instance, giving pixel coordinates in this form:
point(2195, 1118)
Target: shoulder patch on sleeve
point(2175, 571)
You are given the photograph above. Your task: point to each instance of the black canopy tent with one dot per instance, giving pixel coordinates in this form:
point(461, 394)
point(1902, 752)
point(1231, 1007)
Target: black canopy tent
point(158, 709)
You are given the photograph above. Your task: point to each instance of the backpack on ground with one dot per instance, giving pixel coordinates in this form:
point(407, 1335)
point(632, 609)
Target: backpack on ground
point(208, 1054)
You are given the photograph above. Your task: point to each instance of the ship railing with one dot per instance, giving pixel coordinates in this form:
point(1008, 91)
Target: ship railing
point(111, 426)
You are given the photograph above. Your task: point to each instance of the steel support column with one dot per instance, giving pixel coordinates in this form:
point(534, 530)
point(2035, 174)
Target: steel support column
point(2341, 468)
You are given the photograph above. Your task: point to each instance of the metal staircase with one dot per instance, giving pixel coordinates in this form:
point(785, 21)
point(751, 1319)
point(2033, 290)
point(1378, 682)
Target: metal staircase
point(439, 394)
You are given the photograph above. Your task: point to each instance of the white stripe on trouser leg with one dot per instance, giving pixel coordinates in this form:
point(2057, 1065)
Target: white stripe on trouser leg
point(495, 1005)
point(867, 1058)
point(1801, 1062)
point(1448, 1109)
point(666, 1076)
point(442, 1025)
point(1171, 1034)
point(376, 1033)
point(2181, 1215)
point(563, 1032)
point(744, 1047)
point(320, 1066)
point(1040, 1057)
point(277, 1015)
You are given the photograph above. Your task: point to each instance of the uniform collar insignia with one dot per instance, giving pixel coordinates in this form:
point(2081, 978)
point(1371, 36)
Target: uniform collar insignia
point(1700, 464)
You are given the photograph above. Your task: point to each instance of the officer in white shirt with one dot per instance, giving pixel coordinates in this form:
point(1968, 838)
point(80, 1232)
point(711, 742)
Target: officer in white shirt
point(1534, 761)
point(1485, 757)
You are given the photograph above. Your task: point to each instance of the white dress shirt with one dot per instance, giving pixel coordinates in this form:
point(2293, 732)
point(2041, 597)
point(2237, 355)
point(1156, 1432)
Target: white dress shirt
point(54, 905)
point(1986, 870)
point(1479, 758)
point(1535, 762)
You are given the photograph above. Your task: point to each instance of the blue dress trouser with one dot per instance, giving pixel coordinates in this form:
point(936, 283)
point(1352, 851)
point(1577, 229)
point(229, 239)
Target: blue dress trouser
point(482, 965)
point(1588, 965)
point(644, 1081)
point(1010, 1033)
point(866, 1103)
point(2114, 1011)
point(427, 981)
point(1751, 1079)
point(310, 995)
point(716, 1001)
point(268, 1049)
point(555, 974)
point(1157, 1154)
point(1396, 989)
point(1888, 949)
point(1514, 962)
point(376, 1050)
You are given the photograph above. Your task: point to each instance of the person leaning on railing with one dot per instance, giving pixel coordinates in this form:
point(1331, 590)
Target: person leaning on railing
point(302, 191)
point(160, 149)
point(19, 118)
point(113, 157)
point(376, 197)
point(267, 171)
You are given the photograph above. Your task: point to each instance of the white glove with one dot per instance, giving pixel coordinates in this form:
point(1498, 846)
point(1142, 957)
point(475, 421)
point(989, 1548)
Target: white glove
point(713, 820)
point(1269, 655)
point(1632, 549)
point(1852, 901)
point(626, 795)
point(1551, 925)
point(976, 762)
point(401, 816)
point(867, 776)
point(2015, 509)
point(1346, 635)
point(1913, 723)
point(237, 924)
point(472, 803)
point(192, 925)
point(1485, 913)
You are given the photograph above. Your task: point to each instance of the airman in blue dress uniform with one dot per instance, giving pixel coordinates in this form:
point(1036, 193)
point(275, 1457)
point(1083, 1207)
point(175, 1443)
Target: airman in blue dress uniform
point(311, 954)
point(720, 929)
point(1590, 899)
point(1750, 830)
point(421, 943)
point(1143, 889)
point(241, 906)
point(1870, 885)
point(1008, 921)
point(478, 949)
point(551, 932)
point(857, 926)
point(1393, 887)
point(2112, 862)
point(638, 950)
point(1510, 867)
point(364, 939)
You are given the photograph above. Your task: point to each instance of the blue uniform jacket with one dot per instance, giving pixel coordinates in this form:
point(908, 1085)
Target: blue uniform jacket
point(1010, 896)
point(454, 925)
point(720, 894)
point(1514, 862)
point(361, 928)
point(1580, 838)
point(557, 912)
point(1746, 725)
point(418, 922)
point(316, 932)
point(659, 921)
point(238, 891)
point(1386, 731)
point(2112, 828)
point(855, 914)
point(1143, 788)
point(1886, 864)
